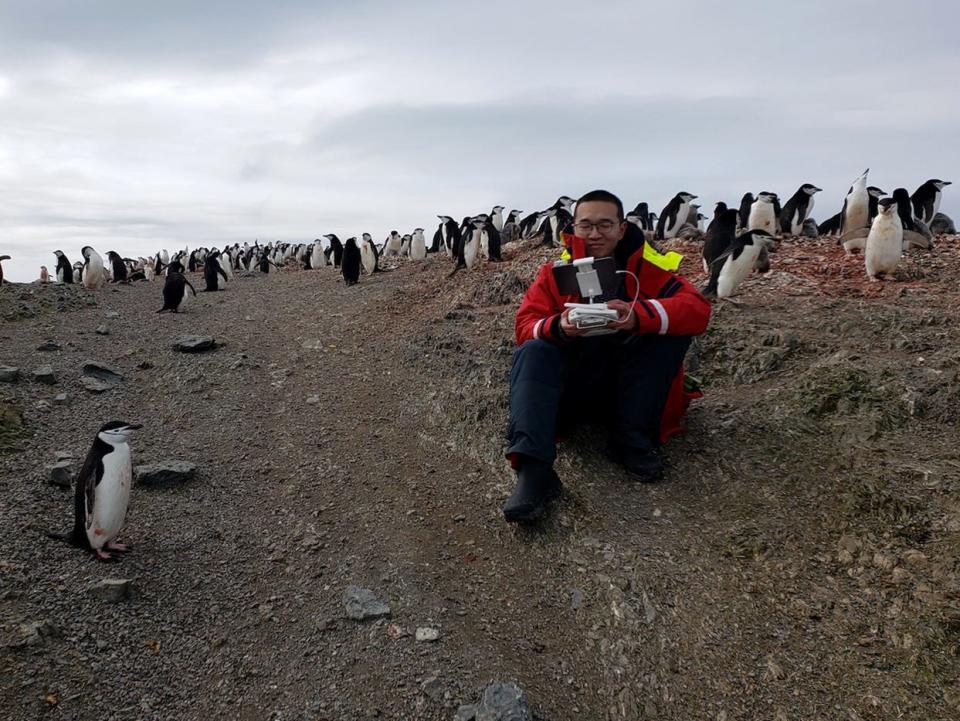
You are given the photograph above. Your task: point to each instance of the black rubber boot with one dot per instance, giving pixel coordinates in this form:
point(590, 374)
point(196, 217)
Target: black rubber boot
point(537, 487)
point(642, 464)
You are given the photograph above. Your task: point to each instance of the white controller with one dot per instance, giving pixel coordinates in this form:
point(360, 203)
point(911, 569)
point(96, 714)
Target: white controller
point(591, 315)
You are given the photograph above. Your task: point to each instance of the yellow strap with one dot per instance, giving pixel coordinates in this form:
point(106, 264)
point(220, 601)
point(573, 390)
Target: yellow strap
point(667, 261)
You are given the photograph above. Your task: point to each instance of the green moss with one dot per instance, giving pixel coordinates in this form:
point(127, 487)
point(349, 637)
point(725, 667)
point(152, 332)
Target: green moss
point(13, 429)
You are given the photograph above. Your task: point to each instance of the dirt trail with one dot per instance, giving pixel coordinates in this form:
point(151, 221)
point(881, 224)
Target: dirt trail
point(798, 561)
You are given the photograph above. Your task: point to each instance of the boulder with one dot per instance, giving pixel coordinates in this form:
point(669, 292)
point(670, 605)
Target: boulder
point(362, 604)
point(102, 372)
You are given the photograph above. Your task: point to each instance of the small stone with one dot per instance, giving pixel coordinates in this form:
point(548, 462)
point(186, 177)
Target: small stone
point(112, 314)
point(102, 330)
point(44, 374)
point(102, 372)
point(48, 346)
point(9, 374)
point(61, 473)
point(361, 604)
point(428, 634)
point(95, 385)
point(194, 344)
point(36, 632)
point(60, 399)
point(433, 688)
point(144, 365)
point(113, 590)
point(467, 712)
point(576, 599)
point(165, 474)
point(313, 400)
point(504, 702)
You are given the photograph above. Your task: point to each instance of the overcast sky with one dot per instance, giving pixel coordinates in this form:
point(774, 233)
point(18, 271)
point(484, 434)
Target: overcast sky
point(132, 126)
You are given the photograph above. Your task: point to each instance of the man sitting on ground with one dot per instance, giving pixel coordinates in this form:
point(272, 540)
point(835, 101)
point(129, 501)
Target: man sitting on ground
point(631, 379)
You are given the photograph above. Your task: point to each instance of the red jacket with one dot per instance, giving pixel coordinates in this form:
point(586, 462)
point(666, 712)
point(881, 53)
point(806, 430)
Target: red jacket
point(668, 304)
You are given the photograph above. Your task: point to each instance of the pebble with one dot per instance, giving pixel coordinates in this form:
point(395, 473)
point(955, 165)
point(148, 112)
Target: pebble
point(362, 604)
point(112, 314)
point(102, 330)
point(467, 712)
point(428, 634)
point(113, 590)
point(95, 385)
point(48, 346)
point(44, 374)
point(9, 374)
point(313, 400)
point(60, 399)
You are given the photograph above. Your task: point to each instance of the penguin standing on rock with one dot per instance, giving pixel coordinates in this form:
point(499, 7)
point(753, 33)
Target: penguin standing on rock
point(102, 492)
point(874, 193)
point(732, 266)
point(175, 288)
point(212, 272)
point(926, 199)
point(94, 274)
point(885, 241)
point(743, 216)
point(763, 213)
point(64, 271)
point(118, 269)
point(674, 215)
point(418, 245)
point(856, 206)
point(369, 259)
point(336, 249)
point(798, 209)
point(350, 263)
point(446, 236)
point(720, 234)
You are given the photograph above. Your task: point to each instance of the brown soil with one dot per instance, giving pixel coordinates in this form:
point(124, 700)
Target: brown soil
point(798, 562)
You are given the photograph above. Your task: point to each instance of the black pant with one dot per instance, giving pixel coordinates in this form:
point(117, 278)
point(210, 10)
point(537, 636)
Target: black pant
point(623, 382)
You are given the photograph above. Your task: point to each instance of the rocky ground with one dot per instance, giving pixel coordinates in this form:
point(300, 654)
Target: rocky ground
point(799, 561)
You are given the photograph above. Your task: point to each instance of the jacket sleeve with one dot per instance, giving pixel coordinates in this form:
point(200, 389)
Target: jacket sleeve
point(539, 314)
point(677, 308)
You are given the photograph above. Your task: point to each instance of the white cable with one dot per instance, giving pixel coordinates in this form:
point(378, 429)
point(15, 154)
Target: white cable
point(636, 295)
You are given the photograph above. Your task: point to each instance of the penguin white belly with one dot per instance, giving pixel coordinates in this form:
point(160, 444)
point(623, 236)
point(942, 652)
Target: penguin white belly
point(858, 212)
point(884, 246)
point(762, 217)
point(366, 258)
point(317, 258)
point(734, 272)
point(670, 229)
point(470, 249)
point(418, 249)
point(485, 245)
point(111, 498)
point(446, 242)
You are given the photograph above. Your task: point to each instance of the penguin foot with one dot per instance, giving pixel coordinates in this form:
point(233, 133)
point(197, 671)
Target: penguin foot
point(101, 556)
point(116, 546)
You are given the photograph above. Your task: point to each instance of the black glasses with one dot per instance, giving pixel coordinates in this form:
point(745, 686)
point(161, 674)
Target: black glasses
point(583, 227)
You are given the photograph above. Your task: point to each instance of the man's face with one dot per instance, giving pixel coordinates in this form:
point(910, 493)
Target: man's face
point(597, 222)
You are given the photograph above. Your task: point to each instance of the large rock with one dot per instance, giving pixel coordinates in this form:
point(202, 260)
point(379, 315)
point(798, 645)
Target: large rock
point(95, 385)
point(9, 374)
point(61, 473)
point(504, 702)
point(361, 604)
point(942, 225)
point(165, 474)
point(195, 344)
point(102, 372)
point(44, 374)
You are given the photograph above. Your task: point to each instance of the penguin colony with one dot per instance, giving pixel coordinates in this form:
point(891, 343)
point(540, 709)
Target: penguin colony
point(736, 241)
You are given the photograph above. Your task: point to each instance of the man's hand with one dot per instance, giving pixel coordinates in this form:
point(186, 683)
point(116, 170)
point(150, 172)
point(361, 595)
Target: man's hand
point(626, 318)
point(568, 328)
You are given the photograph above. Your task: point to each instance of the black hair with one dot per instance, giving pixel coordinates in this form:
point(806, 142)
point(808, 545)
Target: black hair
point(602, 196)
